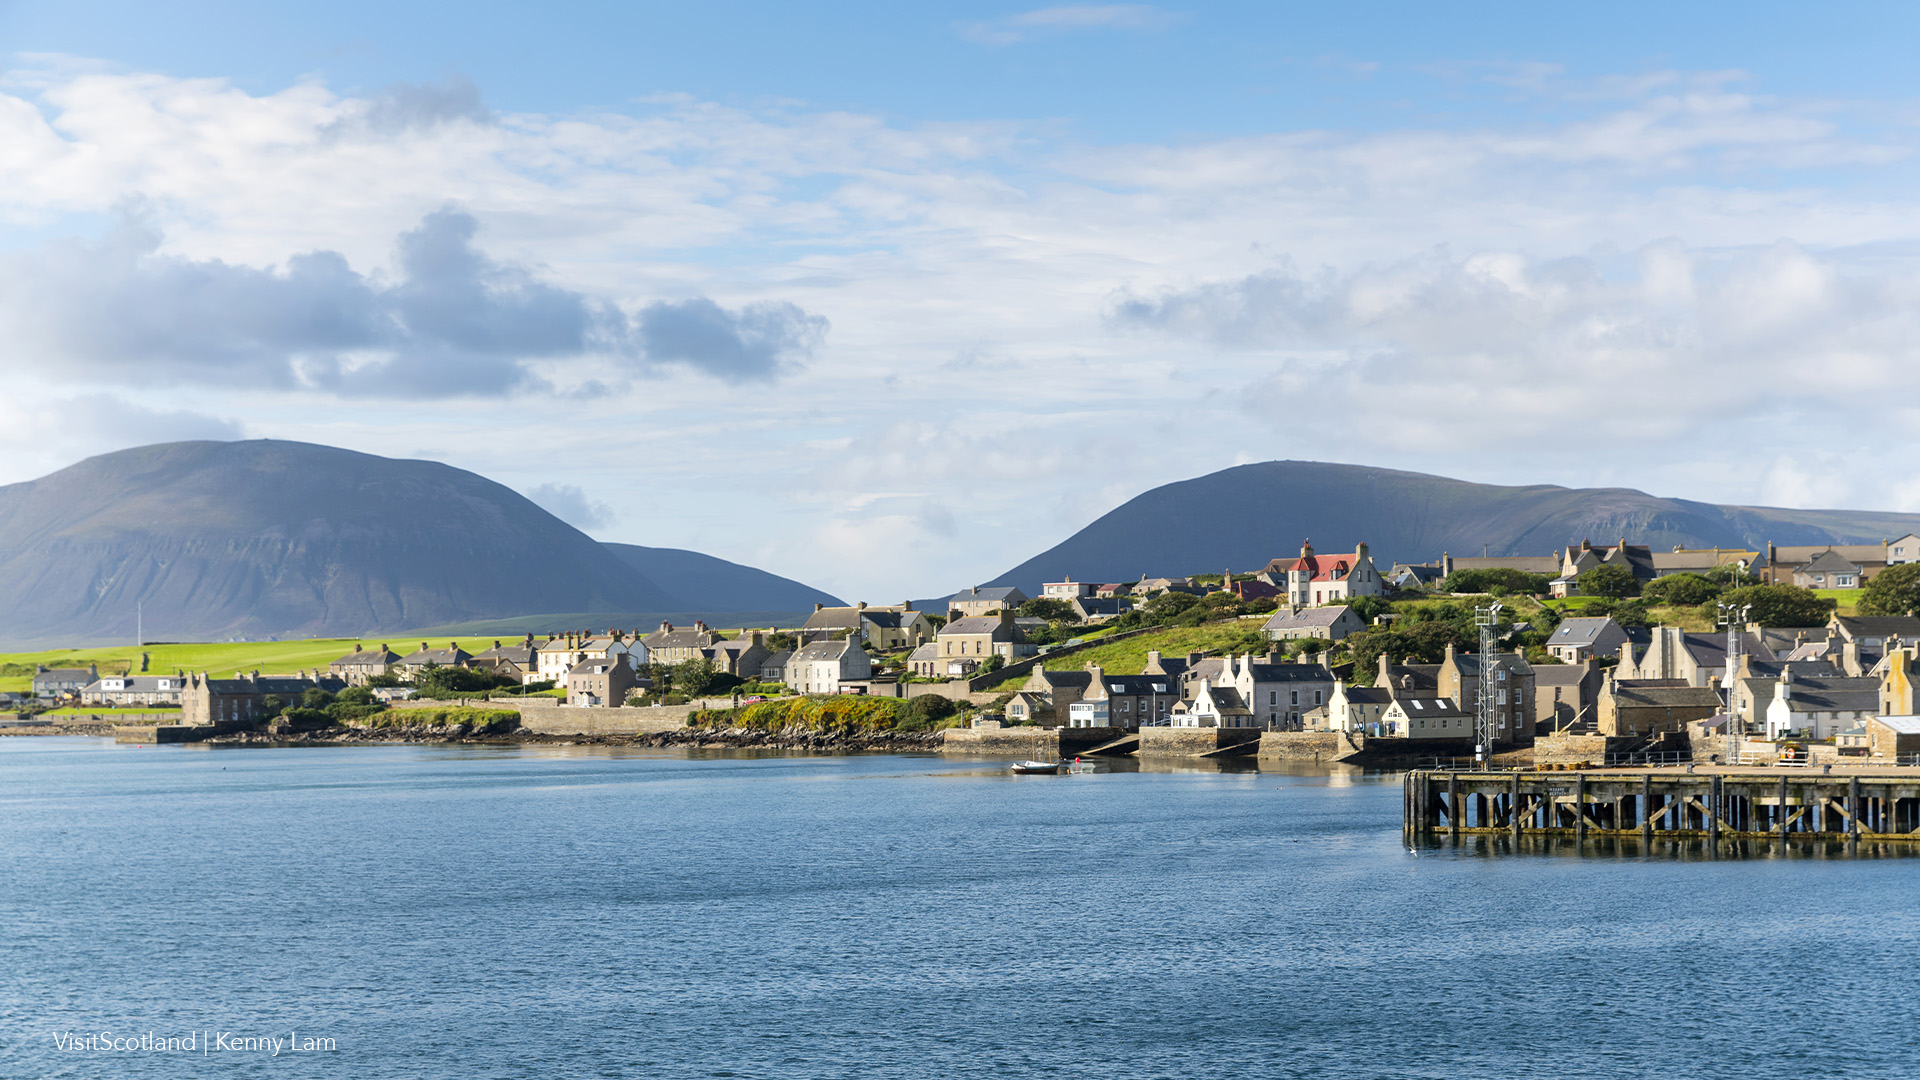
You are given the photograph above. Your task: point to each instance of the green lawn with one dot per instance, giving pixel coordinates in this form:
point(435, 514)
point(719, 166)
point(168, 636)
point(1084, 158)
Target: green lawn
point(1849, 599)
point(215, 658)
point(1129, 657)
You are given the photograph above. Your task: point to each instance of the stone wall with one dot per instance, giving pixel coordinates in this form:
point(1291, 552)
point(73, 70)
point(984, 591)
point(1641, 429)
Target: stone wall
point(1188, 742)
point(1053, 743)
point(1312, 745)
point(1570, 750)
point(579, 720)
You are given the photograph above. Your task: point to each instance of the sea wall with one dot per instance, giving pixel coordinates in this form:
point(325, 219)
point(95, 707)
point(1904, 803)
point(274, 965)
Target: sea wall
point(1313, 745)
point(1189, 742)
point(1049, 743)
point(579, 720)
point(1570, 750)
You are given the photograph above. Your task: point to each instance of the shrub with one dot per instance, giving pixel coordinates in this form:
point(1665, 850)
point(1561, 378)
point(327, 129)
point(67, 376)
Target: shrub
point(1681, 590)
point(1487, 579)
point(1893, 591)
point(1778, 605)
point(1610, 581)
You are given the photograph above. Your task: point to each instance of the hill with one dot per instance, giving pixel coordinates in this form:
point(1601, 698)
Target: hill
point(281, 539)
point(702, 583)
point(1244, 516)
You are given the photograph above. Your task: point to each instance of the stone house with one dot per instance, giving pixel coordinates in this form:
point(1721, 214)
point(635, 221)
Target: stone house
point(1630, 708)
point(519, 661)
point(1904, 550)
point(1311, 580)
point(1900, 683)
point(244, 697)
point(884, 628)
point(411, 665)
point(1892, 738)
point(1695, 659)
point(923, 660)
point(965, 643)
point(1702, 560)
point(123, 690)
point(363, 664)
point(1578, 559)
point(50, 683)
point(1068, 590)
point(1279, 695)
point(601, 682)
point(1101, 608)
point(1331, 622)
point(822, 666)
point(1784, 564)
point(672, 644)
point(1060, 688)
point(1567, 696)
point(1457, 679)
point(742, 657)
point(774, 668)
point(1026, 707)
point(985, 600)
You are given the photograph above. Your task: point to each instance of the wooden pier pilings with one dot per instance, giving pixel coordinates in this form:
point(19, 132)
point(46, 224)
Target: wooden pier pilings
point(1666, 803)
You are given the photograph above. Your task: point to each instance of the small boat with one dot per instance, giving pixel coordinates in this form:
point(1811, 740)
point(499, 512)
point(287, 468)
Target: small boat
point(1036, 768)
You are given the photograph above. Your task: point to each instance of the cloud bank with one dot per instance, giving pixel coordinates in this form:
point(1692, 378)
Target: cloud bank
point(452, 322)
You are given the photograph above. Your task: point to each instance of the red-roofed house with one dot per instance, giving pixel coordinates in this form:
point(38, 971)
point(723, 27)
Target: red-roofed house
point(1311, 579)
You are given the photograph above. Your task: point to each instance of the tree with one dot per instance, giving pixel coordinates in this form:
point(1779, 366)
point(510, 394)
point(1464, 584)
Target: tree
point(1732, 574)
point(1368, 608)
point(1680, 590)
point(1050, 608)
point(1170, 603)
point(1893, 591)
point(993, 663)
point(1778, 605)
point(1609, 580)
point(696, 677)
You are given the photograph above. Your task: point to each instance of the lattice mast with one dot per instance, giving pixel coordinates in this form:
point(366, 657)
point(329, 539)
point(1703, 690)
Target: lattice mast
point(1488, 620)
point(1734, 618)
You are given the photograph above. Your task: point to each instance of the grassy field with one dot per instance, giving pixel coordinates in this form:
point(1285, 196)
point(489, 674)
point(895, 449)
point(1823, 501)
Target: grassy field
point(216, 658)
point(1129, 657)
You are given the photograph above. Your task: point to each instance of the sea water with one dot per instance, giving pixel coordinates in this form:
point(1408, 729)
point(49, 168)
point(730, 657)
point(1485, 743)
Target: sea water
point(413, 911)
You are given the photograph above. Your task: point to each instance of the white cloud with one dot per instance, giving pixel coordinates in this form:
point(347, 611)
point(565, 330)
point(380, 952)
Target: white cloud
point(571, 505)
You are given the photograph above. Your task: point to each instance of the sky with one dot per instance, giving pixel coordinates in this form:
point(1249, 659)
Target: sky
point(890, 297)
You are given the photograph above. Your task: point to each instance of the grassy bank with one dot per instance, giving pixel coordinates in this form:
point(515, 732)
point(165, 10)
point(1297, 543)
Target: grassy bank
point(850, 714)
point(476, 718)
point(220, 659)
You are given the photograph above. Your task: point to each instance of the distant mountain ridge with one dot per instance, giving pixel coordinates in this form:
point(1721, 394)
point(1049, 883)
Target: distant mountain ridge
point(265, 538)
point(1244, 516)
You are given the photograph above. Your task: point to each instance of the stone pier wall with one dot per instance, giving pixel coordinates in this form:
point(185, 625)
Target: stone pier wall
point(1188, 742)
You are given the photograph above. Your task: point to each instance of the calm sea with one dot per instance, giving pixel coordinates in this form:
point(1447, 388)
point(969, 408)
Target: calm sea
point(508, 912)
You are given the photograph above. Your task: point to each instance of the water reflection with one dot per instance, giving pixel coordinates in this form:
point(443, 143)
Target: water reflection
point(1671, 849)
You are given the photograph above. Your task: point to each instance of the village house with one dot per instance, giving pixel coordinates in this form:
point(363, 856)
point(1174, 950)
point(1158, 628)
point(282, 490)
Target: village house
point(1900, 683)
point(963, 644)
point(1545, 565)
point(1694, 659)
point(1818, 707)
point(248, 697)
point(1128, 701)
point(120, 691)
point(742, 657)
point(1456, 679)
point(1574, 640)
point(1829, 570)
point(1566, 696)
point(1100, 608)
point(822, 666)
point(923, 660)
point(1311, 580)
point(884, 628)
point(1904, 550)
point(1359, 709)
point(1214, 707)
point(985, 600)
point(1789, 564)
point(1279, 695)
point(677, 645)
point(519, 661)
point(426, 656)
point(601, 682)
point(1876, 635)
point(1068, 590)
point(1026, 707)
point(1147, 586)
point(1703, 561)
point(1893, 738)
point(1418, 716)
point(1060, 689)
point(1112, 589)
point(52, 683)
point(362, 664)
point(1631, 708)
point(1331, 622)
point(774, 668)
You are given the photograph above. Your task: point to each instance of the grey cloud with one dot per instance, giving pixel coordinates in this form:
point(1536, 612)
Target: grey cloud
point(454, 322)
point(404, 106)
point(570, 504)
point(755, 342)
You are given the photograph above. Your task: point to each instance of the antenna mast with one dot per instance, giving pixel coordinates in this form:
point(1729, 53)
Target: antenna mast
point(1488, 620)
point(1735, 620)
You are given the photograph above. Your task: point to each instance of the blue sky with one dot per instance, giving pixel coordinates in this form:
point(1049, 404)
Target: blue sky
point(928, 288)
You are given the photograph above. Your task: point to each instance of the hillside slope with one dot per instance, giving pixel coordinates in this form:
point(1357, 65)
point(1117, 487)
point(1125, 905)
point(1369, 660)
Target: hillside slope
point(1244, 516)
point(266, 538)
point(707, 584)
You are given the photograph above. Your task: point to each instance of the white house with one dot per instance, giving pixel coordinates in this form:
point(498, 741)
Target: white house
point(1214, 706)
point(1819, 706)
point(133, 690)
point(1358, 708)
point(820, 668)
point(1426, 718)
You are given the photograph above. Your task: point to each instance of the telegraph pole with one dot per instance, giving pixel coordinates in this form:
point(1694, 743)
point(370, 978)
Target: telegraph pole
point(1488, 620)
point(1735, 620)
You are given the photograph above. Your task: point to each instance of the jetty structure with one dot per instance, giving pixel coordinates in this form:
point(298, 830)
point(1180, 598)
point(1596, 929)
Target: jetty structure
point(1785, 803)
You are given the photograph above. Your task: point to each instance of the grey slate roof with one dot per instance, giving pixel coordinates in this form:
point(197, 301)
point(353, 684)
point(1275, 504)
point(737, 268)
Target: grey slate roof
point(972, 624)
point(1581, 631)
point(1669, 697)
point(1834, 694)
point(823, 650)
point(1880, 626)
point(992, 594)
point(1306, 619)
point(1829, 562)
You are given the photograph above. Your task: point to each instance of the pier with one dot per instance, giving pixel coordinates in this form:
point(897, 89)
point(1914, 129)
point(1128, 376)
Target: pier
point(1667, 803)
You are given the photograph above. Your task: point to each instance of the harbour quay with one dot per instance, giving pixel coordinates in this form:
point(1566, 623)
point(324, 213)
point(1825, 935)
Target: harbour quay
point(1713, 803)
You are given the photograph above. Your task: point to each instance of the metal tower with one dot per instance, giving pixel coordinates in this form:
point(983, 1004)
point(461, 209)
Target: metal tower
point(1488, 620)
point(1735, 620)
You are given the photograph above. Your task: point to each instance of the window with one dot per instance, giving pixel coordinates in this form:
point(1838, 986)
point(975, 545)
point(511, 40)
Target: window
point(1502, 699)
point(1316, 697)
point(1500, 675)
point(1273, 697)
point(1295, 699)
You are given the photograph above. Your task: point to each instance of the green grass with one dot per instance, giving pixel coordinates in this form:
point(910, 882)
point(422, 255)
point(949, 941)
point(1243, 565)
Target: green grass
point(1129, 657)
point(103, 710)
point(1849, 599)
point(221, 659)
